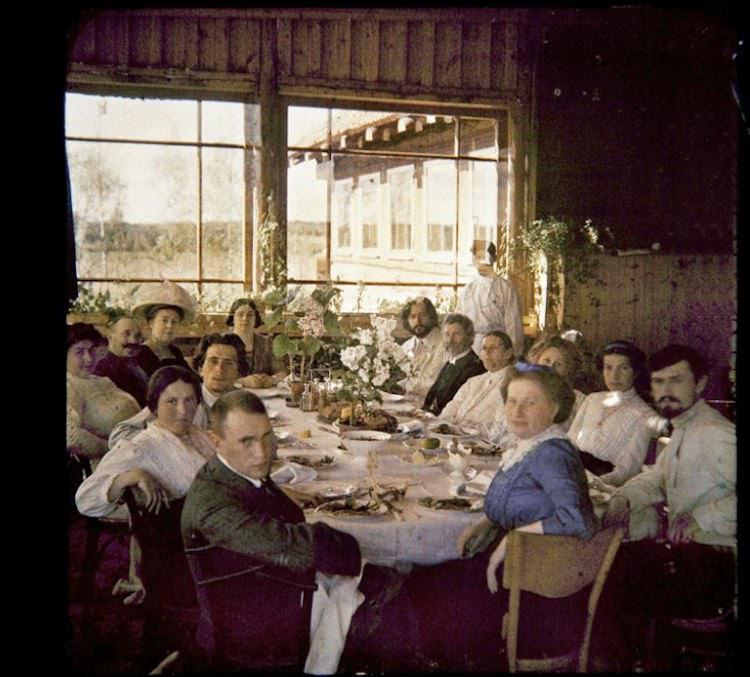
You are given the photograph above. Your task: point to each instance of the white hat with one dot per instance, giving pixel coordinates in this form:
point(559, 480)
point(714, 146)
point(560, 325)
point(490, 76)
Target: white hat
point(166, 294)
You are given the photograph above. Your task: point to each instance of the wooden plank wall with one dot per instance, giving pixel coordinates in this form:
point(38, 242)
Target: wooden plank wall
point(659, 299)
point(429, 54)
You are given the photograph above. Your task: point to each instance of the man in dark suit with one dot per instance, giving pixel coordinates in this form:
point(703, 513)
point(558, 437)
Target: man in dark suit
point(125, 364)
point(462, 364)
point(233, 504)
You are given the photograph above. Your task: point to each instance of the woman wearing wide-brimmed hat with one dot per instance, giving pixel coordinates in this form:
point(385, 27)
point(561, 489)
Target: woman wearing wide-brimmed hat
point(163, 308)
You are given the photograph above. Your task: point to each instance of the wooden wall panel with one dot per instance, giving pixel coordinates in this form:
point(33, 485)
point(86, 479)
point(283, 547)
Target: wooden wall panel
point(420, 57)
point(365, 50)
point(82, 45)
point(659, 299)
point(284, 46)
point(306, 50)
point(392, 51)
point(510, 67)
point(112, 40)
point(145, 41)
point(336, 49)
point(475, 52)
point(448, 54)
point(498, 48)
point(213, 44)
point(174, 32)
point(244, 46)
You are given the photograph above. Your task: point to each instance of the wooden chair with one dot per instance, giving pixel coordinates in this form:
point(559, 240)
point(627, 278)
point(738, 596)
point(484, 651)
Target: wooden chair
point(555, 567)
point(170, 607)
point(253, 617)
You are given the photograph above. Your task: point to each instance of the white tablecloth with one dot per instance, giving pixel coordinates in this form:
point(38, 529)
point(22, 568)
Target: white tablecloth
point(423, 536)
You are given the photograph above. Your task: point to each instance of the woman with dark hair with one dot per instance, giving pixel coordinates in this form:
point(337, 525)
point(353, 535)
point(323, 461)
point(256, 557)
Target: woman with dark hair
point(94, 404)
point(244, 318)
point(613, 428)
point(164, 309)
point(540, 487)
point(162, 459)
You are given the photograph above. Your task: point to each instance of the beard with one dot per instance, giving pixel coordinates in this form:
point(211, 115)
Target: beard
point(670, 407)
point(421, 330)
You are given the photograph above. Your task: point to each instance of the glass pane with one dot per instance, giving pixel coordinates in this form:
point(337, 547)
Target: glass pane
point(218, 297)
point(121, 294)
point(134, 209)
point(307, 217)
point(342, 213)
point(223, 202)
point(383, 131)
point(307, 127)
point(120, 118)
point(370, 199)
point(224, 122)
point(402, 194)
point(483, 209)
point(477, 137)
point(390, 299)
point(440, 199)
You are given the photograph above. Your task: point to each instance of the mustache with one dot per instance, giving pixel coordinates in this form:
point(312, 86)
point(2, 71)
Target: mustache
point(666, 398)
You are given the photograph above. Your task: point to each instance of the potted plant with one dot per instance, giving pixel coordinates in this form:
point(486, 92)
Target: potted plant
point(301, 322)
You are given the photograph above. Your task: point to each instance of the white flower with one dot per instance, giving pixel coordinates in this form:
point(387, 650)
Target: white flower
point(366, 337)
point(352, 356)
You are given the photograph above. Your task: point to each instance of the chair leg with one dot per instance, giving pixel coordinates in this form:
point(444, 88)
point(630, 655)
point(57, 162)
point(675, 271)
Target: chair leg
point(86, 581)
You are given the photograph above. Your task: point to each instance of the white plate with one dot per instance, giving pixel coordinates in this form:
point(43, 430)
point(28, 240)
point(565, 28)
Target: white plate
point(338, 491)
point(281, 435)
point(265, 393)
point(272, 413)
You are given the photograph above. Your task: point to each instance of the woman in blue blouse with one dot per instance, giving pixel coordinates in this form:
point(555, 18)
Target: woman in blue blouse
point(540, 487)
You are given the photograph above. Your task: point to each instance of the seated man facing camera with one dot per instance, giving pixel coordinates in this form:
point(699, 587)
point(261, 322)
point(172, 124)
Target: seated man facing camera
point(235, 506)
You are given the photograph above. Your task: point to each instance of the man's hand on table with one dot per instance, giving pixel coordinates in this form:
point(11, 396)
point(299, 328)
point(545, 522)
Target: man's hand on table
point(682, 529)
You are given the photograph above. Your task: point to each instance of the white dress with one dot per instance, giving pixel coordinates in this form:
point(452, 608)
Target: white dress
point(477, 401)
point(172, 461)
point(491, 303)
point(614, 427)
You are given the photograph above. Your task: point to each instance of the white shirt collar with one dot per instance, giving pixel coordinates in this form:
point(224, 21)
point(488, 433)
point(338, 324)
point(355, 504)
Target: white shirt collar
point(455, 359)
point(252, 480)
point(208, 397)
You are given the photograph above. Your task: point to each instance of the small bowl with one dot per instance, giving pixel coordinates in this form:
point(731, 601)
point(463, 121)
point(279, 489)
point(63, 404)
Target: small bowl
point(362, 442)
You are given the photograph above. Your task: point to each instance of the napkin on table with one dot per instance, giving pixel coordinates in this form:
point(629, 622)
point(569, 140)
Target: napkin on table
point(293, 473)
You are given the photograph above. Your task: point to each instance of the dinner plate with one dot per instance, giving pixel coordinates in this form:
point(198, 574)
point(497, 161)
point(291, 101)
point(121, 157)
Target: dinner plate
point(338, 491)
point(265, 393)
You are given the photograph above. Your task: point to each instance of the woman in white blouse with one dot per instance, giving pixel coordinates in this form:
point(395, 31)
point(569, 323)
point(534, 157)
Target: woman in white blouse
point(162, 460)
point(94, 404)
point(613, 428)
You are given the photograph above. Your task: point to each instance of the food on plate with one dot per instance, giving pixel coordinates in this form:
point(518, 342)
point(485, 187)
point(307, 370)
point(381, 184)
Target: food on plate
point(445, 429)
point(446, 503)
point(310, 462)
point(257, 381)
point(332, 410)
point(304, 434)
point(429, 443)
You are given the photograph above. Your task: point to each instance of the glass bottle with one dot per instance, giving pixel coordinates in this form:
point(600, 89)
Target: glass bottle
point(306, 399)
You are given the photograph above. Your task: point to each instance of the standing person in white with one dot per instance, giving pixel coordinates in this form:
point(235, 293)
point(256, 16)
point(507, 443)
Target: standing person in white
point(491, 301)
point(478, 400)
point(425, 347)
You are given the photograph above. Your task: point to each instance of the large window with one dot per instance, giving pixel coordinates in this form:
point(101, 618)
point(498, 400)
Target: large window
point(163, 189)
point(387, 204)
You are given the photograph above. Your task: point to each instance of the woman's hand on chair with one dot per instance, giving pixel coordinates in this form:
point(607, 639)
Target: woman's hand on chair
point(496, 559)
point(154, 495)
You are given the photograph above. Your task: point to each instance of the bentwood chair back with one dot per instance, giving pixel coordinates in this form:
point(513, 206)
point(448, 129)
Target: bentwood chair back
point(170, 607)
point(555, 567)
point(253, 617)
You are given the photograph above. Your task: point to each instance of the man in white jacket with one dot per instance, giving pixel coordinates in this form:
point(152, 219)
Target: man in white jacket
point(478, 401)
point(425, 346)
point(681, 513)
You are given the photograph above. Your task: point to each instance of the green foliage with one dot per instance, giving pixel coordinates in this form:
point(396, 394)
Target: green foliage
point(101, 302)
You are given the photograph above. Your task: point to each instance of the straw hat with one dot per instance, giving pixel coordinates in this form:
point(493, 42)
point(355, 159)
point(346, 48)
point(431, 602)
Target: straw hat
point(166, 294)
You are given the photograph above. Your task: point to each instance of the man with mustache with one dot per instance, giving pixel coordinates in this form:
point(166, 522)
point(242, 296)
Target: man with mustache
point(425, 347)
point(124, 363)
point(681, 564)
point(462, 364)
